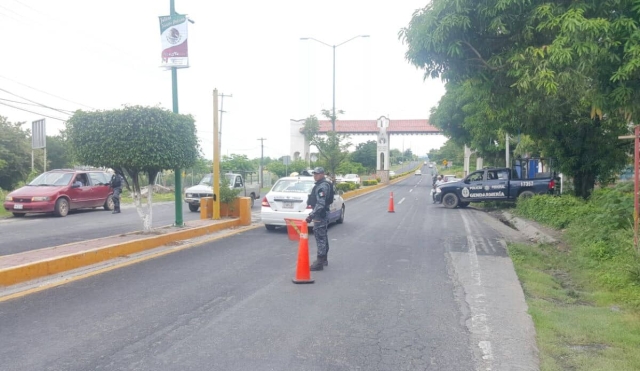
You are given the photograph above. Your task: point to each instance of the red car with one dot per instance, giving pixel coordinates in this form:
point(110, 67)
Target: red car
point(59, 191)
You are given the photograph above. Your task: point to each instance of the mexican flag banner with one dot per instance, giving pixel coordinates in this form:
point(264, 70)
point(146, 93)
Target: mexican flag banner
point(173, 37)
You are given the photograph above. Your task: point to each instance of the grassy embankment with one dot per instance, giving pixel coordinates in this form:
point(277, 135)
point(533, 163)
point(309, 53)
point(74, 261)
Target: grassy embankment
point(584, 293)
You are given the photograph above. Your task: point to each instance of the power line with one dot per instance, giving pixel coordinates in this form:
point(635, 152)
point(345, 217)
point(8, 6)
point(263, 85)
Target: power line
point(37, 113)
point(44, 92)
point(29, 100)
point(27, 6)
point(28, 104)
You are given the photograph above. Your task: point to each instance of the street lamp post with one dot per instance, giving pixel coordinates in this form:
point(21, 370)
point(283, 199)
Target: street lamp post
point(333, 115)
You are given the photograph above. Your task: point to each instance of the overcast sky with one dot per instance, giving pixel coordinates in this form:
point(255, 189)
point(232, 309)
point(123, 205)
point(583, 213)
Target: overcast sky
point(104, 54)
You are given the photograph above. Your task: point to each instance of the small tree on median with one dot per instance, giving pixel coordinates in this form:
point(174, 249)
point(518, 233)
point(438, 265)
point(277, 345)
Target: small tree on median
point(134, 141)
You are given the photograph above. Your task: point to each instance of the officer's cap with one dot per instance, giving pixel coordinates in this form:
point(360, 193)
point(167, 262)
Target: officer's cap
point(318, 170)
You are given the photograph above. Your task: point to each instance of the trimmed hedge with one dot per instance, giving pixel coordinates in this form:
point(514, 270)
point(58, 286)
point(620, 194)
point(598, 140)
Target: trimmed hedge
point(346, 186)
point(370, 182)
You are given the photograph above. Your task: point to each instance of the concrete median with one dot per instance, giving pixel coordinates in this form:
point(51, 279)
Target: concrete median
point(30, 265)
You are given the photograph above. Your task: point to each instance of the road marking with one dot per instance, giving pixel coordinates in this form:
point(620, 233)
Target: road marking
point(477, 304)
point(401, 201)
point(411, 190)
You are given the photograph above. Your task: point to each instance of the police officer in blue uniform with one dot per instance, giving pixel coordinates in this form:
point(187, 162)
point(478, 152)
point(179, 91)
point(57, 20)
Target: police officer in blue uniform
point(318, 199)
point(116, 184)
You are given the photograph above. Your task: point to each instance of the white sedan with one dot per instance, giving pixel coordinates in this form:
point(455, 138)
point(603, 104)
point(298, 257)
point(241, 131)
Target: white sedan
point(287, 199)
point(351, 178)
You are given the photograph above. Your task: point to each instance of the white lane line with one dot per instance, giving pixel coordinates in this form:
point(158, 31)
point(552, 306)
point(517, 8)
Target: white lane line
point(401, 201)
point(411, 190)
point(477, 306)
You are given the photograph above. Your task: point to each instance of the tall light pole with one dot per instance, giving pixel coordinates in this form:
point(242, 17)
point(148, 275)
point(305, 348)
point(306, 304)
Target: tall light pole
point(177, 172)
point(333, 115)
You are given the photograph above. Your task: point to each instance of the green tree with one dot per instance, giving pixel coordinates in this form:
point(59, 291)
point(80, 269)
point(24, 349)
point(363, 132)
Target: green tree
point(311, 128)
point(58, 154)
point(278, 167)
point(395, 156)
point(537, 68)
point(365, 154)
point(450, 151)
point(332, 150)
point(348, 167)
point(236, 163)
point(134, 140)
point(15, 154)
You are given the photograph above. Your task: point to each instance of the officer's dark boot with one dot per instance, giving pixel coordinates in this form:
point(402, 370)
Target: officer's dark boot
point(319, 264)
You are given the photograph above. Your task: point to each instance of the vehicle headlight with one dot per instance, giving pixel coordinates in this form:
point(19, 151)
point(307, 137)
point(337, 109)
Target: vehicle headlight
point(189, 195)
point(40, 198)
point(8, 198)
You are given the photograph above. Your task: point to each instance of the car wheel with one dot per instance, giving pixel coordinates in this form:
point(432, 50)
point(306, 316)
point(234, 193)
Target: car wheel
point(62, 207)
point(341, 219)
point(463, 204)
point(270, 227)
point(194, 208)
point(526, 194)
point(108, 204)
point(450, 200)
point(19, 215)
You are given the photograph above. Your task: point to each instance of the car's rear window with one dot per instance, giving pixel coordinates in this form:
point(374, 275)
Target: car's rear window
point(293, 185)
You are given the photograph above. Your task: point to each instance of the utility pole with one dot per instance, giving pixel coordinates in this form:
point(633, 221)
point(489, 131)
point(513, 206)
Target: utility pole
point(261, 160)
point(222, 95)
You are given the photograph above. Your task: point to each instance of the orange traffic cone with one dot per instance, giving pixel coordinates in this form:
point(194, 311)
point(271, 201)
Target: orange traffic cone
point(303, 273)
point(391, 204)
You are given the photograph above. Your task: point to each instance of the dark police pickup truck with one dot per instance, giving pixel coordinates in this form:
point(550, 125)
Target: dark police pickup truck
point(493, 184)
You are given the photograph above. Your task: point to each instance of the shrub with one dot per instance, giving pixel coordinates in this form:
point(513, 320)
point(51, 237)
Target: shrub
point(370, 182)
point(555, 211)
point(227, 194)
point(600, 233)
point(345, 187)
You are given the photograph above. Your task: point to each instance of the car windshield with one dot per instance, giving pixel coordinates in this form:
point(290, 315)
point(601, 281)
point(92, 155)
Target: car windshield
point(206, 180)
point(293, 185)
point(52, 179)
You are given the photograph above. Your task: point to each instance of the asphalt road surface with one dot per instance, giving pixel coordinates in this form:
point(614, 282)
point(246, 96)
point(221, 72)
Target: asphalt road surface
point(424, 288)
point(37, 231)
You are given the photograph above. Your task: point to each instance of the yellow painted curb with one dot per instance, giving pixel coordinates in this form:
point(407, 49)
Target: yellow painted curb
point(27, 272)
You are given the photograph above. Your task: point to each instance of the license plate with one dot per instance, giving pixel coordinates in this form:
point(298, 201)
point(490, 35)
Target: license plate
point(17, 207)
point(287, 205)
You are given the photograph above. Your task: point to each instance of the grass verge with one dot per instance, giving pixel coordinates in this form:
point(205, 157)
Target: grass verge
point(157, 197)
point(579, 325)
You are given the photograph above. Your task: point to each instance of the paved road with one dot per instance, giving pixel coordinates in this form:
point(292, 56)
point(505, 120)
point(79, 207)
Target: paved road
point(424, 288)
point(36, 231)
